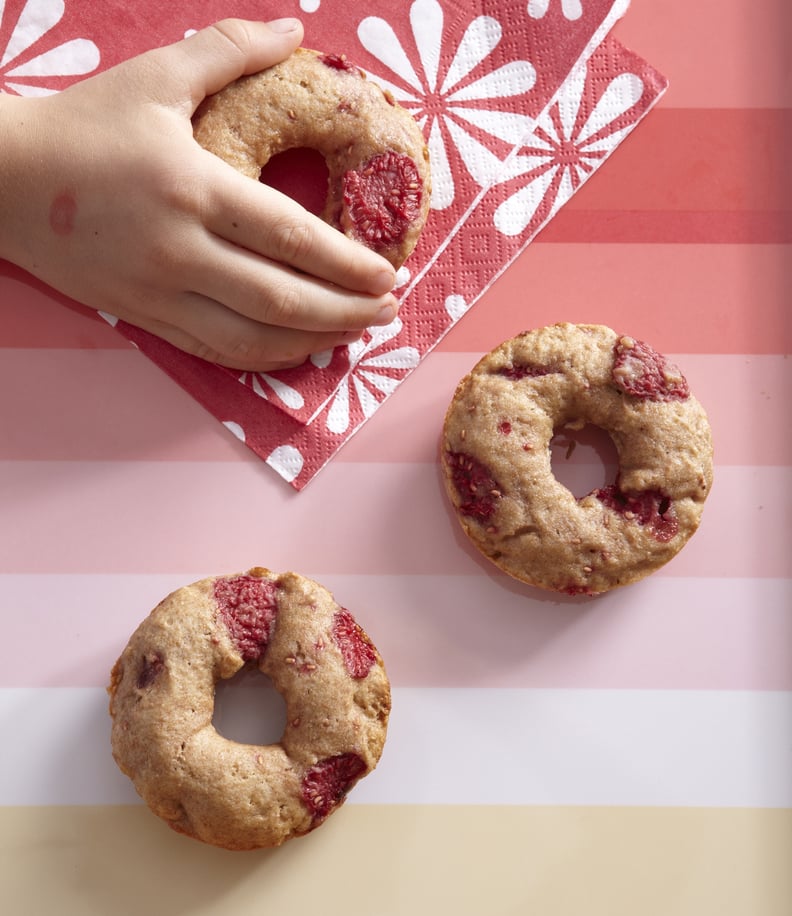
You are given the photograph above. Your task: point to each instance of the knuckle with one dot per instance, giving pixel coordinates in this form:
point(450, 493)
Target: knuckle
point(234, 32)
point(232, 350)
point(291, 242)
point(206, 352)
point(236, 353)
point(284, 304)
point(163, 257)
point(167, 257)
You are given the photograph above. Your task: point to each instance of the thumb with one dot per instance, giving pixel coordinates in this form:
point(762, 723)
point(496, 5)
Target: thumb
point(217, 55)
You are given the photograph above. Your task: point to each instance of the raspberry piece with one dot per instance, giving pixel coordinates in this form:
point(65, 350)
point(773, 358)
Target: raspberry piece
point(382, 199)
point(505, 428)
point(328, 781)
point(477, 488)
point(641, 371)
point(247, 606)
point(356, 648)
point(650, 508)
point(339, 62)
point(518, 371)
point(151, 666)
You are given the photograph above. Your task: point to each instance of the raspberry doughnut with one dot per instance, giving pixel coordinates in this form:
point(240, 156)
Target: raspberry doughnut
point(378, 163)
point(228, 794)
point(497, 467)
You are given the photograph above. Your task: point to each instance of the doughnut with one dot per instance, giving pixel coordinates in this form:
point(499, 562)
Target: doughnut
point(496, 464)
point(379, 184)
point(229, 794)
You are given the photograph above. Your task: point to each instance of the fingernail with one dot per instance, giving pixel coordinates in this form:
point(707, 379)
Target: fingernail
point(384, 282)
point(284, 25)
point(388, 312)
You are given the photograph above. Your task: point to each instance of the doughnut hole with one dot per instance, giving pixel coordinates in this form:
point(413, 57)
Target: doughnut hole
point(300, 173)
point(583, 459)
point(248, 709)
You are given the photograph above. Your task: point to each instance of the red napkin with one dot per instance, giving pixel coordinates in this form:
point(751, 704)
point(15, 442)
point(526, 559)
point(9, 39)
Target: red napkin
point(520, 103)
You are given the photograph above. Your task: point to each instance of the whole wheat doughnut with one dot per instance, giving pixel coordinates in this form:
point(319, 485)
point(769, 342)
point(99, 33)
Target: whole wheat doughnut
point(497, 466)
point(229, 794)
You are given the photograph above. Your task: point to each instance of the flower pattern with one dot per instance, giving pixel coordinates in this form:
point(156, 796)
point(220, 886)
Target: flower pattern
point(377, 369)
point(29, 68)
point(563, 152)
point(263, 384)
point(442, 99)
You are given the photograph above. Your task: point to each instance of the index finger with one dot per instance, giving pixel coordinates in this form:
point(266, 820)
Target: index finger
point(259, 218)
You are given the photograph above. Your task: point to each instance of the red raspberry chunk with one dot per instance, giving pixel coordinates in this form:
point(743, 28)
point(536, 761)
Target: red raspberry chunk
point(247, 606)
point(356, 648)
point(382, 199)
point(339, 62)
point(478, 490)
point(650, 509)
point(641, 371)
point(328, 781)
point(151, 666)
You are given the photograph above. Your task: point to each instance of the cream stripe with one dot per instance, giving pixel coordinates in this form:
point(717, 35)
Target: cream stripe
point(666, 632)
point(397, 861)
point(458, 746)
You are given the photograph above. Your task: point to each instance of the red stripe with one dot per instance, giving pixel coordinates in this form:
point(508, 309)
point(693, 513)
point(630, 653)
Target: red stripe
point(32, 314)
point(697, 160)
point(662, 226)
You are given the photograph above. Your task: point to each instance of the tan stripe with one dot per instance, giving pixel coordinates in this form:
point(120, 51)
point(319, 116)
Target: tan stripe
point(398, 860)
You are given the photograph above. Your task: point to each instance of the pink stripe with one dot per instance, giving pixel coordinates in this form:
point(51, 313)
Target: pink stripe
point(740, 393)
point(682, 298)
point(111, 405)
point(665, 633)
point(354, 518)
point(99, 405)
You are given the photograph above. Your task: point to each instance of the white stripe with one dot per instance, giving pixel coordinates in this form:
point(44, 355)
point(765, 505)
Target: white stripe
point(466, 746)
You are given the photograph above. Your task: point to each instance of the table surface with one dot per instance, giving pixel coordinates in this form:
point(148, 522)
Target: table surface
point(630, 754)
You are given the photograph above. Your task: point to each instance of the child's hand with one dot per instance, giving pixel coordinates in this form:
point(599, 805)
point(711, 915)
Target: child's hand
point(105, 195)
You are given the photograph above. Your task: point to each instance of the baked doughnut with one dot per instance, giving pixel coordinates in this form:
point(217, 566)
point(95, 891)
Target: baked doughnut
point(497, 467)
point(378, 163)
point(228, 794)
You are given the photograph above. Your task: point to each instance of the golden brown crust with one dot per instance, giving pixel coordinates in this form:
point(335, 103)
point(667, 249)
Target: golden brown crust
point(497, 467)
point(235, 795)
point(334, 109)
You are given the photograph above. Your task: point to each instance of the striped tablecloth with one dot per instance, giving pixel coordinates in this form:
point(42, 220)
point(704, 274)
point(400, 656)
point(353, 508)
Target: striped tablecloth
point(626, 755)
